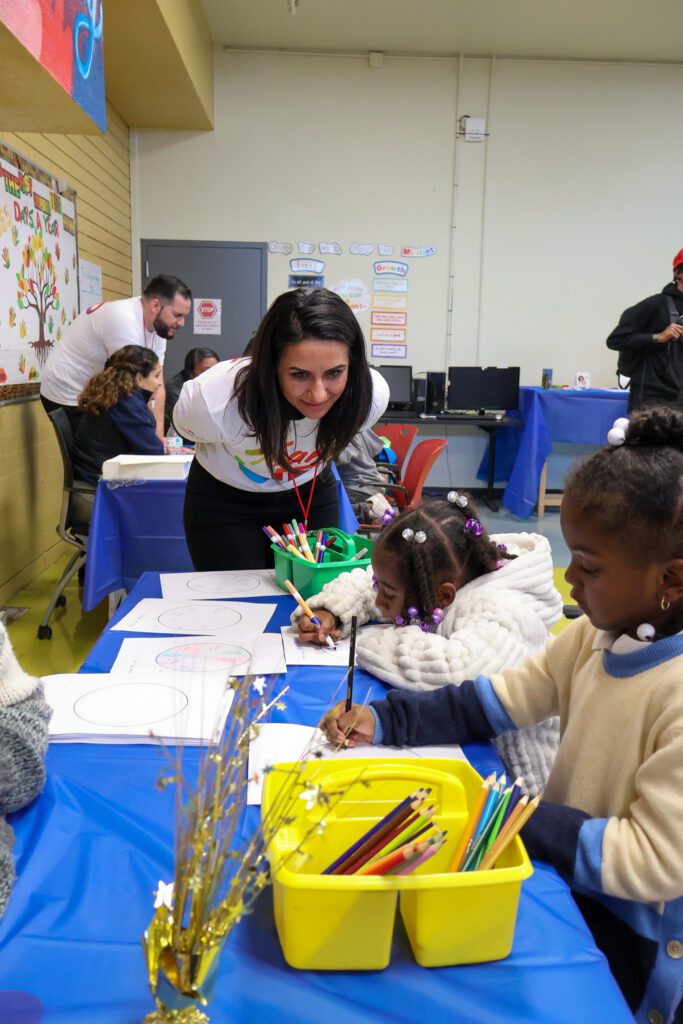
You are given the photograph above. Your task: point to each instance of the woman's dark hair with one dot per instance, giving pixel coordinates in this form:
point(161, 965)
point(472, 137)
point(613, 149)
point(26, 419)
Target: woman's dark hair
point(449, 548)
point(295, 316)
point(117, 379)
point(634, 491)
point(194, 356)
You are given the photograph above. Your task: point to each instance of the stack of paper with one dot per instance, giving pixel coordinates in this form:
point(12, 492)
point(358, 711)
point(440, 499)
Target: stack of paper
point(277, 743)
point(119, 709)
point(198, 618)
point(147, 467)
point(201, 657)
point(203, 586)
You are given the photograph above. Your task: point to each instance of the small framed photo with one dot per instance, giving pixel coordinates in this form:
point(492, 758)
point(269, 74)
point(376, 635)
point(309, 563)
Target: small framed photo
point(582, 379)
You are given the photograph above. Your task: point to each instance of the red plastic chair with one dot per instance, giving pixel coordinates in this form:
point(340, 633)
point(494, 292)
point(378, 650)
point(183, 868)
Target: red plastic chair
point(401, 436)
point(408, 494)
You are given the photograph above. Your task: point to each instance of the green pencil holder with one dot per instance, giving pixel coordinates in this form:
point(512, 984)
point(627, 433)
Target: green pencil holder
point(309, 577)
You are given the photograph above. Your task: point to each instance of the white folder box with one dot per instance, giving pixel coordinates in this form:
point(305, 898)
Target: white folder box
point(147, 467)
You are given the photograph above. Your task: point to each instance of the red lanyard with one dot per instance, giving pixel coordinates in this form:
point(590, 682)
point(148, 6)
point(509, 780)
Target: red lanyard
point(306, 510)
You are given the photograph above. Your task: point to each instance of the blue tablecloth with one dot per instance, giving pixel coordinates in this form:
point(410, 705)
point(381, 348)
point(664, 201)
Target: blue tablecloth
point(138, 528)
point(571, 415)
point(90, 853)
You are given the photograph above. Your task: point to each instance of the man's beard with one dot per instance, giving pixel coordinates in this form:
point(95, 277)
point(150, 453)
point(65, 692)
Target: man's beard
point(161, 329)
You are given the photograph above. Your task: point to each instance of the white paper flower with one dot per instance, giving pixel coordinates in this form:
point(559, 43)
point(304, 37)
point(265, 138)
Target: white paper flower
point(259, 685)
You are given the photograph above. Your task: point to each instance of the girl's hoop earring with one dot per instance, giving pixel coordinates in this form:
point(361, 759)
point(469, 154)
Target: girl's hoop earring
point(665, 603)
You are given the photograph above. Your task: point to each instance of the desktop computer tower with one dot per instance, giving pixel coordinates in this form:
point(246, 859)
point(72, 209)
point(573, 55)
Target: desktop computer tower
point(435, 393)
point(419, 394)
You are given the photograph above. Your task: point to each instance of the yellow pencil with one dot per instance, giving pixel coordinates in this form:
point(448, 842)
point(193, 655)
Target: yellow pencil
point(505, 838)
point(472, 821)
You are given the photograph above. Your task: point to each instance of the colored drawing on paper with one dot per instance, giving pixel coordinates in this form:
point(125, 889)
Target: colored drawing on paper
point(238, 583)
point(130, 705)
point(199, 616)
point(204, 657)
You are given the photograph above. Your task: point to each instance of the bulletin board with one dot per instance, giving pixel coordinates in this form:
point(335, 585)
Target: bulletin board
point(38, 271)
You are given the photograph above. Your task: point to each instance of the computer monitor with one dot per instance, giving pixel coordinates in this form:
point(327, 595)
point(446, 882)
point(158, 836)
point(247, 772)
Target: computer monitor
point(400, 381)
point(483, 388)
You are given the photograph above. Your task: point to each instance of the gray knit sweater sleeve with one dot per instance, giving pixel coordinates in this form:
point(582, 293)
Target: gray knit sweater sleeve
point(24, 718)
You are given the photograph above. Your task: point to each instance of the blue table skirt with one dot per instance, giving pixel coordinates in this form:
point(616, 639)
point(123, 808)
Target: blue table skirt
point(569, 415)
point(91, 850)
point(138, 528)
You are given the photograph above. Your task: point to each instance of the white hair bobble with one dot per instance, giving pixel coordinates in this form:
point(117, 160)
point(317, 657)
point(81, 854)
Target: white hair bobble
point(407, 534)
point(420, 537)
point(617, 435)
point(457, 499)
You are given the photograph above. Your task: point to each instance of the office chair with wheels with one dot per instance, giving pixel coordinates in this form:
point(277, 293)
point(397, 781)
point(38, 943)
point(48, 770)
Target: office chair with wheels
point(74, 519)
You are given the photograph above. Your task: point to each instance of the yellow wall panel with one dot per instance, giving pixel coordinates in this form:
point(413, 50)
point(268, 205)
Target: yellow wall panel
point(30, 464)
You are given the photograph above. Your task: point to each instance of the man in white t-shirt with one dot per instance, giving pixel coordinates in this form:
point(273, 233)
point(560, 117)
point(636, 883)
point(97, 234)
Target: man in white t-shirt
point(149, 320)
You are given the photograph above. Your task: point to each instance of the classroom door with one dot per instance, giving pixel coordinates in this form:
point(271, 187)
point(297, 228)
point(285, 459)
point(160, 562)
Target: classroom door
point(234, 272)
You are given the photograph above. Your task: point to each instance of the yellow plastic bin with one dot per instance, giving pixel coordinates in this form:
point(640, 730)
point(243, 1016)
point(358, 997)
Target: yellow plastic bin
point(333, 922)
point(310, 577)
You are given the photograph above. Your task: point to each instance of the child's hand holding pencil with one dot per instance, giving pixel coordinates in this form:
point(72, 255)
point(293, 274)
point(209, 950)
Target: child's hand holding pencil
point(348, 728)
point(312, 634)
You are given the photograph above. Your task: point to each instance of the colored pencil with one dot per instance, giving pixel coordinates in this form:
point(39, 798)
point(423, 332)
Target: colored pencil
point(415, 862)
point(421, 822)
point(307, 610)
point(515, 795)
point(377, 843)
point(384, 864)
point(386, 822)
point(504, 840)
point(488, 809)
point(352, 664)
point(499, 817)
point(472, 822)
point(480, 844)
point(472, 863)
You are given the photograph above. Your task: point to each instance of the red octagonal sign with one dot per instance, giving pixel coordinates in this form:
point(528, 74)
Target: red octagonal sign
point(207, 308)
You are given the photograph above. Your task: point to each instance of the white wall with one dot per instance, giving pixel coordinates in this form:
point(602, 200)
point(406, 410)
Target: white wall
point(567, 214)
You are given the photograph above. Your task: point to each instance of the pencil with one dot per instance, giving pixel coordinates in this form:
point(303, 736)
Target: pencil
point(415, 861)
point(384, 824)
point(384, 864)
point(504, 840)
point(352, 663)
point(418, 824)
point(307, 610)
point(472, 822)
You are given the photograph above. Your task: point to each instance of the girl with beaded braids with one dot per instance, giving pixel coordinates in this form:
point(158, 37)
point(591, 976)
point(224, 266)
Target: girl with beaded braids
point(461, 604)
point(610, 817)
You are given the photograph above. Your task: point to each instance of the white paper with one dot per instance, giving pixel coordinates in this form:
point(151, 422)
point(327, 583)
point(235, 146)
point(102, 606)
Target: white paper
point(203, 586)
point(196, 618)
point(277, 742)
point(89, 283)
point(297, 653)
point(119, 709)
point(207, 316)
point(172, 658)
point(147, 467)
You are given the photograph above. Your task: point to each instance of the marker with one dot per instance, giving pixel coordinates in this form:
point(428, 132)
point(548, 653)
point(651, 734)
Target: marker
point(360, 554)
point(307, 611)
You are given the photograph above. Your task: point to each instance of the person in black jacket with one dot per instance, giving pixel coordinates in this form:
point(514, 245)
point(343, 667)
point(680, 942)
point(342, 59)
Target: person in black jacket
point(116, 419)
point(648, 340)
point(197, 361)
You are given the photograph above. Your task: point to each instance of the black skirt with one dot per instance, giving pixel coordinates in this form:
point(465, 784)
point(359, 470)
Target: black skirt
point(224, 525)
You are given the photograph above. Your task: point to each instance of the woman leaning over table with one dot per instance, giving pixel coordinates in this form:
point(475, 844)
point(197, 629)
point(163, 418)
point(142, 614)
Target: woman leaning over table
point(268, 425)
